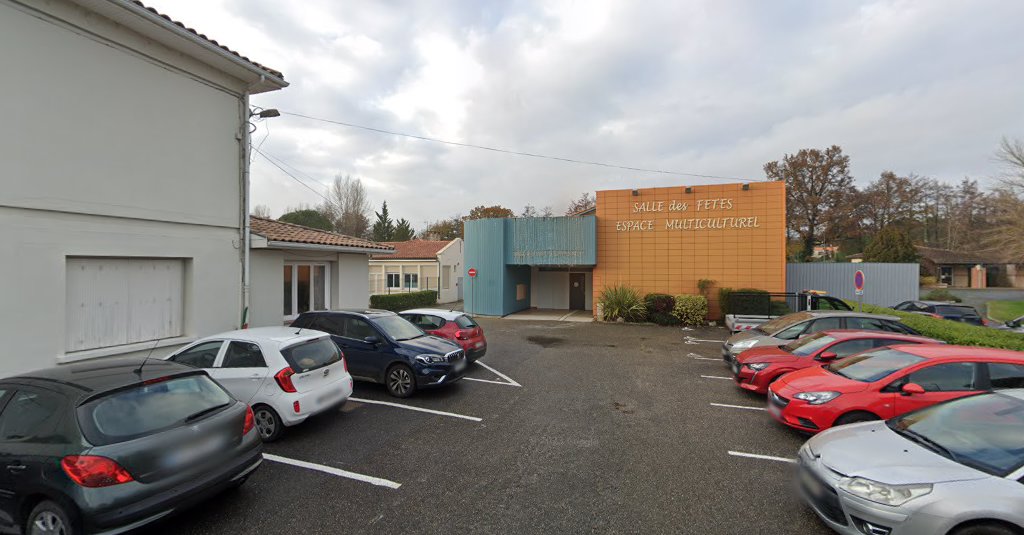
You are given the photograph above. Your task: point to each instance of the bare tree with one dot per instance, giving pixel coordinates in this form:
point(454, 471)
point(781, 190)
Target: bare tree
point(1006, 233)
point(348, 206)
point(890, 200)
point(261, 210)
point(586, 201)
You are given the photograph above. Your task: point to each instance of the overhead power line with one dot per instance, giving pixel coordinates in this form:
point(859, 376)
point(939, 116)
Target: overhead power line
point(507, 151)
point(295, 178)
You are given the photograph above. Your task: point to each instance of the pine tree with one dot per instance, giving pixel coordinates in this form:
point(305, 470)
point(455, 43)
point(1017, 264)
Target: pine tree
point(403, 231)
point(892, 244)
point(384, 227)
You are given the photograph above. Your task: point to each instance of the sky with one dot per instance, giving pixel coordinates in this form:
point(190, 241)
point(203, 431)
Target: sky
point(716, 87)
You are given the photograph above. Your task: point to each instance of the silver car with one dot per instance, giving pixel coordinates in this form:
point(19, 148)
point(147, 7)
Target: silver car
point(955, 468)
point(784, 329)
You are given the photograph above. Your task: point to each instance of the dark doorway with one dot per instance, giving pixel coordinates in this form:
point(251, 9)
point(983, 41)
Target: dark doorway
point(577, 291)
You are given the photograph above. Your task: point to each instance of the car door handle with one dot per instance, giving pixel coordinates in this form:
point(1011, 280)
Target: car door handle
point(255, 376)
point(16, 468)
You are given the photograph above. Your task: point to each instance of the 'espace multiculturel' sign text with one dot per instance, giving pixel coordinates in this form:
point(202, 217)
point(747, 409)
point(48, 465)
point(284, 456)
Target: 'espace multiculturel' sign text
point(693, 223)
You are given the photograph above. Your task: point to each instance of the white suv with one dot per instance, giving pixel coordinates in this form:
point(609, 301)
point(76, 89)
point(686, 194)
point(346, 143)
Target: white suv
point(285, 374)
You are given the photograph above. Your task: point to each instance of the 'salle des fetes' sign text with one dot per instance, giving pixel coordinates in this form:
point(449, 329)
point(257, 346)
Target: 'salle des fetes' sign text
point(710, 221)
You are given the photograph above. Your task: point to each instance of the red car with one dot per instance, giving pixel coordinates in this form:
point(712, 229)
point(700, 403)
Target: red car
point(888, 382)
point(456, 326)
point(758, 367)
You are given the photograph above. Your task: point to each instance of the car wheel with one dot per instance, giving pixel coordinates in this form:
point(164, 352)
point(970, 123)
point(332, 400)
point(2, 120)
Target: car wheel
point(984, 528)
point(268, 423)
point(854, 417)
point(400, 381)
point(50, 518)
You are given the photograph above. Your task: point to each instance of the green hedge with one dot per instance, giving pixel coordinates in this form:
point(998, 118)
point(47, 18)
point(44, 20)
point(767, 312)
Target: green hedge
point(952, 332)
point(404, 301)
point(660, 309)
point(691, 309)
point(755, 302)
point(622, 302)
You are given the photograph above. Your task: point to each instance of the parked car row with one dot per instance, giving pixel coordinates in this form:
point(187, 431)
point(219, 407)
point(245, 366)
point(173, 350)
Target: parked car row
point(911, 435)
point(111, 445)
point(944, 310)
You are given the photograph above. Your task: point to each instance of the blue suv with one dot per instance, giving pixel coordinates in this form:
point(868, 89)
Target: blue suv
point(382, 347)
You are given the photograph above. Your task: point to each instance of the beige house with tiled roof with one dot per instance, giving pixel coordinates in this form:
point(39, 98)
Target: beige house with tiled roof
point(420, 265)
point(122, 206)
point(296, 269)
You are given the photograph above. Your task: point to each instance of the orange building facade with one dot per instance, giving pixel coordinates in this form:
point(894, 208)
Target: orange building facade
point(665, 240)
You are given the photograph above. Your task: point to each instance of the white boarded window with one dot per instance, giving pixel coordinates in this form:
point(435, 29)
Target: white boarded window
point(119, 301)
point(446, 277)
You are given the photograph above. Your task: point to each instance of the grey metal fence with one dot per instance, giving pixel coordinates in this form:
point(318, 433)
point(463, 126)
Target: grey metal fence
point(885, 284)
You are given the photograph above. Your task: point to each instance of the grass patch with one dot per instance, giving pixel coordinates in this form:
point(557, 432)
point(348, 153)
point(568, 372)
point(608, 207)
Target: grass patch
point(1005, 310)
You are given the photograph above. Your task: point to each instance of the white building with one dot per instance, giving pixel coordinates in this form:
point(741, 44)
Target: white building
point(122, 193)
point(420, 265)
point(296, 268)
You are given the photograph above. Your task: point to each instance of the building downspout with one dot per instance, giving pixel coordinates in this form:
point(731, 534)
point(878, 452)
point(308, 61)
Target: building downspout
point(245, 227)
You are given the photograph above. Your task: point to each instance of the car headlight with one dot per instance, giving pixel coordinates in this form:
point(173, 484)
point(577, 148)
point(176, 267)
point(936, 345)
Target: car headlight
point(757, 366)
point(431, 359)
point(883, 493)
point(817, 398)
point(743, 344)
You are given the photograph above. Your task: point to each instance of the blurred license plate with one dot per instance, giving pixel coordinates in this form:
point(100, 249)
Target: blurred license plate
point(328, 397)
point(774, 410)
point(460, 365)
point(479, 344)
point(193, 451)
point(813, 486)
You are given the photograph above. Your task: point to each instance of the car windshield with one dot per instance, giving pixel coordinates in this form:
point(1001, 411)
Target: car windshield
point(465, 322)
point(870, 367)
point(809, 344)
point(312, 354)
point(150, 408)
point(397, 327)
point(983, 431)
point(769, 328)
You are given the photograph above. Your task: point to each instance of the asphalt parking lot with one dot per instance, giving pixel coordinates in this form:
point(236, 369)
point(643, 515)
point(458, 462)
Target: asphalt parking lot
point(614, 428)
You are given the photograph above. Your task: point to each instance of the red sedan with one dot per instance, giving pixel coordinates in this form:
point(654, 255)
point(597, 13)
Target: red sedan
point(454, 325)
point(890, 381)
point(758, 367)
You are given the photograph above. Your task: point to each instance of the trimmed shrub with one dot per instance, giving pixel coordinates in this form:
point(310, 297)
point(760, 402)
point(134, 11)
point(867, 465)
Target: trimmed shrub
point(928, 280)
point(753, 301)
point(622, 302)
point(952, 332)
point(691, 309)
point(941, 295)
point(404, 301)
point(660, 309)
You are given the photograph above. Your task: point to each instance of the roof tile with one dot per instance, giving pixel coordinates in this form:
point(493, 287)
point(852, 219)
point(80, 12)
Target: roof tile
point(414, 250)
point(274, 230)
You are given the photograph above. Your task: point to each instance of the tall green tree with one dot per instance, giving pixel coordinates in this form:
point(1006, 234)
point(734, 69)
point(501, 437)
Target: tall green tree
point(403, 231)
point(891, 244)
point(487, 212)
point(820, 196)
point(308, 218)
point(444, 229)
point(383, 227)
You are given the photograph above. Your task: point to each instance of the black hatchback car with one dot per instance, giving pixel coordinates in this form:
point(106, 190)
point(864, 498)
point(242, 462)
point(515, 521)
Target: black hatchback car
point(113, 444)
point(383, 347)
point(943, 310)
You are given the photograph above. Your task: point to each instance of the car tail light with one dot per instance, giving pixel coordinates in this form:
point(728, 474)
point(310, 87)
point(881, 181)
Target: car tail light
point(92, 471)
point(296, 407)
point(344, 362)
point(284, 380)
point(461, 335)
point(249, 420)
point(985, 322)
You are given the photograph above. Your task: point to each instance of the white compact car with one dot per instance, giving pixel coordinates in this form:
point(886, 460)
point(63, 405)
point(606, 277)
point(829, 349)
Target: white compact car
point(285, 374)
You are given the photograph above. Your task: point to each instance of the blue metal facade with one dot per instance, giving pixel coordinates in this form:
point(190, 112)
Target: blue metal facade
point(502, 251)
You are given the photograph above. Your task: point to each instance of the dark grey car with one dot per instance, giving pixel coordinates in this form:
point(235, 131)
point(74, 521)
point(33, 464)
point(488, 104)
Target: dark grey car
point(112, 444)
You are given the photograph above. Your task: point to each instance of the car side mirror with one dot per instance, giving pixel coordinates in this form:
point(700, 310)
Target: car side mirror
point(1013, 324)
point(373, 340)
point(912, 388)
point(827, 356)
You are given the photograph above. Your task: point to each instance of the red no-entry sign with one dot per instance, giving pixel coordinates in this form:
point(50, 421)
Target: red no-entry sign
point(472, 272)
point(858, 281)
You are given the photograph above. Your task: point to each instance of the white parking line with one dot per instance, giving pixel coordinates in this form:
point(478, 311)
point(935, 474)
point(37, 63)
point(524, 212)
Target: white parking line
point(692, 340)
point(747, 407)
point(694, 357)
point(763, 457)
point(333, 471)
point(499, 374)
point(503, 383)
point(418, 409)
point(716, 377)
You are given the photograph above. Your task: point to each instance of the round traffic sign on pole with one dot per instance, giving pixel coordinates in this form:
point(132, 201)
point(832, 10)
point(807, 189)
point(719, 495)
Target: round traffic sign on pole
point(858, 281)
point(472, 272)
